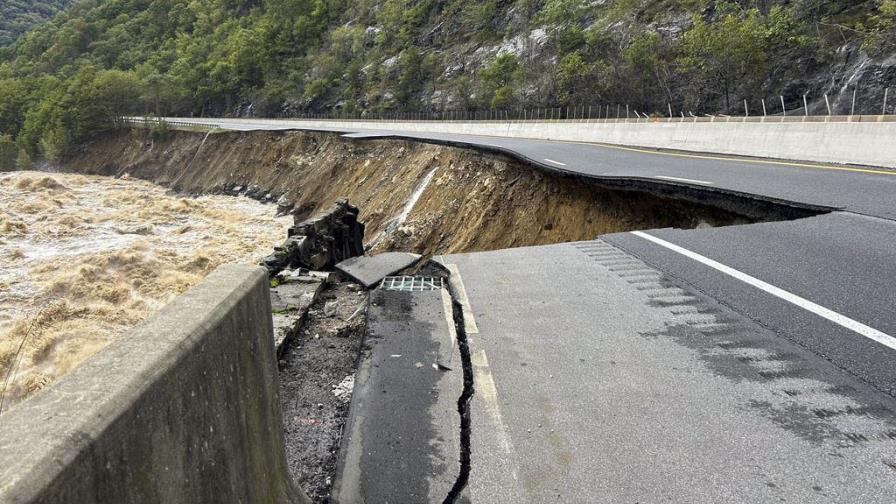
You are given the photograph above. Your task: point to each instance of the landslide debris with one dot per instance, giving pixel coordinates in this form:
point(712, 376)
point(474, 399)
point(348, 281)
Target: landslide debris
point(316, 379)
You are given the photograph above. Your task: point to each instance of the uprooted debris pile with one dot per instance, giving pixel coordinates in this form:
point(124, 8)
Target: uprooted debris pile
point(320, 242)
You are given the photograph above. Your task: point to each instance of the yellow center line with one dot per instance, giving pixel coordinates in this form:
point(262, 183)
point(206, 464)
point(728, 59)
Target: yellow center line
point(734, 159)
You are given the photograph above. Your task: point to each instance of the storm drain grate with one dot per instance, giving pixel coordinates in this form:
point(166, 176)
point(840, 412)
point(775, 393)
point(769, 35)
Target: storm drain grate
point(412, 283)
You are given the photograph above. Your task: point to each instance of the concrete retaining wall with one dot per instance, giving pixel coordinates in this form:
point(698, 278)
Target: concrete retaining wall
point(861, 140)
point(184, 409)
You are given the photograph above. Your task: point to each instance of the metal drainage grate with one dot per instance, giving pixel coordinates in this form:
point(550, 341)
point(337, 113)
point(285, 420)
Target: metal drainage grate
point(412, 283)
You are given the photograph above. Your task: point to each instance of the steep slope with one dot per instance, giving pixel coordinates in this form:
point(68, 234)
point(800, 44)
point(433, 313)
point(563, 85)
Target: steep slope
point(289, 57)
point(413, 196)
point(19, 16)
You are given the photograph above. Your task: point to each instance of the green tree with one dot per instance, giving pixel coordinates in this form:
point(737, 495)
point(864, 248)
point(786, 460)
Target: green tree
point(23, 160)
point(881, 29)
point(8, 151)
point(19, 16)
point(163, 93)
point(497, 81)
point(728, 55)
point(89, 104)
point(13, 100)
point(410, 77)
point(647, 70)
point(562, 11)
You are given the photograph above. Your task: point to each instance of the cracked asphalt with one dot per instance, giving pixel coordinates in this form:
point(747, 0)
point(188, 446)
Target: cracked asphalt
point(602, 379)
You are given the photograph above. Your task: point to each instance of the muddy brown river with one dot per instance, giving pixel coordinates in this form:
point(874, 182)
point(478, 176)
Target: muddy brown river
point(84, 258)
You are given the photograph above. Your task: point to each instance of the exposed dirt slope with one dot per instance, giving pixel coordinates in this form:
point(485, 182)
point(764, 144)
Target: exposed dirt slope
point(473, 201)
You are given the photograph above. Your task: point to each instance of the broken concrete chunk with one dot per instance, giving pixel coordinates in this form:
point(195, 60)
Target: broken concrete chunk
point(370, 270)
point(290, 303)
point(322, 241)
point(294, 296)
point(306, 276)
point(343, 391)
point(284, 205)
point(284, 326)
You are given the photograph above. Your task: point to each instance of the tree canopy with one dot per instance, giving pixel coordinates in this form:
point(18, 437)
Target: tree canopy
point(19, 16)
point(68, 79)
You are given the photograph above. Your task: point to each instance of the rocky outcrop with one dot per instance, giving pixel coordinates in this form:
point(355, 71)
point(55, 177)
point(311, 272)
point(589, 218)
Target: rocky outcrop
point(321, 242)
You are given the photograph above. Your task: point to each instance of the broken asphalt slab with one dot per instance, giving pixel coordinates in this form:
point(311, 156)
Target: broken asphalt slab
point(371, 270)
point(402, 437)
point(290, 302)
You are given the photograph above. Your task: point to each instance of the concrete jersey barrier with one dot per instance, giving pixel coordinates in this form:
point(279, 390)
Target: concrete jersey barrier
point(183, 409)
point(859, 140)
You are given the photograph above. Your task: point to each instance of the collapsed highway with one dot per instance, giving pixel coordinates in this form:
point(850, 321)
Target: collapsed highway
point(743, 363)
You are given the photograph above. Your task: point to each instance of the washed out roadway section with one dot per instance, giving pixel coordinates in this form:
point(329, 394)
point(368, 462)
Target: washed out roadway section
point(842, 261)
point(785, 404)
point(599, 379)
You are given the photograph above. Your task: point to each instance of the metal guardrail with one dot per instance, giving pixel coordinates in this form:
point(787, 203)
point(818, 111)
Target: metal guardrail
point(149, 122)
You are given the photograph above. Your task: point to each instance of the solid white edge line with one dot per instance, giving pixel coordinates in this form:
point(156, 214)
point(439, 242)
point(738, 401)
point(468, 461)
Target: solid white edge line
point(842, 320)
point(679, 179)
point(455, 280)
point(555, 162)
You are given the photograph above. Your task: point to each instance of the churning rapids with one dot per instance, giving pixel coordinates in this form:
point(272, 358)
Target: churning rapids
point(84, 258)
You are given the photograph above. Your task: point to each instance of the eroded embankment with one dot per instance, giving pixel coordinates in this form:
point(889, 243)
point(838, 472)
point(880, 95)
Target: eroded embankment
point(413, 196)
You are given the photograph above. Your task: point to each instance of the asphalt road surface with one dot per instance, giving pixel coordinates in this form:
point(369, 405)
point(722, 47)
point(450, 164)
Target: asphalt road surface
point(751, 363)
point(601, 379)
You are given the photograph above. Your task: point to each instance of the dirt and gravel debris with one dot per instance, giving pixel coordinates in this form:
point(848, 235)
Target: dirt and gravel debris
point(316, 376)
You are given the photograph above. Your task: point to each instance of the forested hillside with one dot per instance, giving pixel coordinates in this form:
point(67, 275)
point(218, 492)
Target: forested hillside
point(18, 16)
point(285, 57)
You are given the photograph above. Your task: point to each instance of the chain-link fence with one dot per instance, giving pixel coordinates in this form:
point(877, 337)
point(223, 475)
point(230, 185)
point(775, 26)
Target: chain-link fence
point(850, 104)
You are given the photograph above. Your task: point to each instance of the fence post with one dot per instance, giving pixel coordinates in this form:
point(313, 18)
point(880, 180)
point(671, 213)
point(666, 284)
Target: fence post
point(884, 110)
point(827, 103)
point(626, 110)
point(670, 110)
point(805, 107)
point(783, 108)
point(852, 109)
point(746, 109)
point(763, 108)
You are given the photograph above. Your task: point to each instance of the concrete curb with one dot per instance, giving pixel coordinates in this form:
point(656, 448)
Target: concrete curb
point(184, 408)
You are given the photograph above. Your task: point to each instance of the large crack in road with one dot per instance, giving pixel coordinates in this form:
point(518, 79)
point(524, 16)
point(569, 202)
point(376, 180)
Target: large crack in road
point(463, 402)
